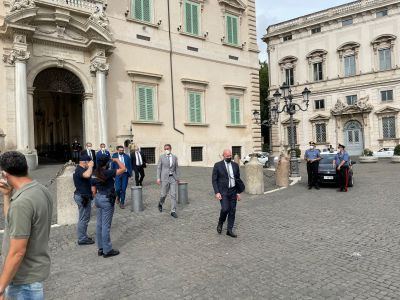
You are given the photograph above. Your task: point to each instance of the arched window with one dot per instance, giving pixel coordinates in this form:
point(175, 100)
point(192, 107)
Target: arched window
point(288, 69)
point(383, 47)
point(317, 65)
point(348, 58)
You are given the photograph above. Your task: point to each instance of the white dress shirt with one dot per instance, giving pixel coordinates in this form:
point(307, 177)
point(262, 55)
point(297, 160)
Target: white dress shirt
point(230, 174)
point(139, 160)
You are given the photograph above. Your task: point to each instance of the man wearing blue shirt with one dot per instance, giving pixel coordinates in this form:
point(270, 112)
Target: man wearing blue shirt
point(342, 163)
point(312, 158)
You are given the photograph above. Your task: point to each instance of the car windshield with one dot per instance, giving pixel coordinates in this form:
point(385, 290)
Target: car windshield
point(327, 158)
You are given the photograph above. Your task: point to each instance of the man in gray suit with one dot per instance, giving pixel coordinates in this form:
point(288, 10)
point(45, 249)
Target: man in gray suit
point(168, 178)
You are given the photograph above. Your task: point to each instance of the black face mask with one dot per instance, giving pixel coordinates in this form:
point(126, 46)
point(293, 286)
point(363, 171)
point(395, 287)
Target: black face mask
point(228, 160)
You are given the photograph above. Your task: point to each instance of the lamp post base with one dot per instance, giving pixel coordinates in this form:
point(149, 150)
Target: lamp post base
point(294, 164)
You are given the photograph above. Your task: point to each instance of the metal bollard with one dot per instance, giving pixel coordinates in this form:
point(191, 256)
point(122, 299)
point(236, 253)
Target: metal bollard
point(137, 199)
point(183, 193)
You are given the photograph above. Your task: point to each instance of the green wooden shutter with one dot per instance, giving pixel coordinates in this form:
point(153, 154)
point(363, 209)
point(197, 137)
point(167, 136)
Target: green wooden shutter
point(149, 104)
point(232, 29)
point(146, 10)
point(188, 17)
point(195, 19)
point(235, 110)
point(141, 98)
point(229, 28)
point(198, 108)
point(192, 108)
point(137, 9)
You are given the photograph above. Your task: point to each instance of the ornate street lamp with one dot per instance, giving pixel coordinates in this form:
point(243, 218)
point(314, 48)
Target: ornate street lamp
point(290, 108)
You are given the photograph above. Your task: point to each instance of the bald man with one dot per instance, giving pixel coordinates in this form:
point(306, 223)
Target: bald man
point(225, 178)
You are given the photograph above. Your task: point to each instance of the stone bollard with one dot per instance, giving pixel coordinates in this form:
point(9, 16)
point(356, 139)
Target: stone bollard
point(282, 172)
point(137, 199)
point(183, 193)
point(67, 210)
point(254, 177)
point(236, 159)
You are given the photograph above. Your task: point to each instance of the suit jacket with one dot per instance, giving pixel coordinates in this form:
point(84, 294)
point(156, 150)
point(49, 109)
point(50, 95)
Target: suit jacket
point(94, 157)
point(127, 161)
point(163, 168)
point(133, 160)
point(220, 177)
point(100, 154)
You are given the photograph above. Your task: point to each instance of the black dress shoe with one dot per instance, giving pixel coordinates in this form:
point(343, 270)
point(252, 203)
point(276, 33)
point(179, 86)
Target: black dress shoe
point(86, 242)
point(111, 253)
point(173, 214)
point(231, 234)
point(309, 187)
point(219, 228)
point(160, 207)
point(317, 188)
point(100, 252)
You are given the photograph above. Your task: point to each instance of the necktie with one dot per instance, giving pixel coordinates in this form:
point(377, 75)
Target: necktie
point(90, 153)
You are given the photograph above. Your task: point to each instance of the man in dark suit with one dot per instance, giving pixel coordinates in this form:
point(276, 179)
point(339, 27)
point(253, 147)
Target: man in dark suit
point(121, 181)
point(103, 152)
point(224, 176)
point(91, 153)
point(138, 164)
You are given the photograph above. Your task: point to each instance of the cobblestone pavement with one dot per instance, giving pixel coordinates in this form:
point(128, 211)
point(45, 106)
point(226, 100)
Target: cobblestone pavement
point(292, 244)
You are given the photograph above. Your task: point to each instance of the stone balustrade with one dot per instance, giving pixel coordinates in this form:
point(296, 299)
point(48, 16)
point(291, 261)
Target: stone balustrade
point(83, 5)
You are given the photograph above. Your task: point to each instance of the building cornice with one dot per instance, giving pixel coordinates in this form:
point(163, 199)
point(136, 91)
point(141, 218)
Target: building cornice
point(326, 15)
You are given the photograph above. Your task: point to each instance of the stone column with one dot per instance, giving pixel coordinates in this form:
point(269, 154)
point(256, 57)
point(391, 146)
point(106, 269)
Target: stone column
point(31, 121)
point(100, 67)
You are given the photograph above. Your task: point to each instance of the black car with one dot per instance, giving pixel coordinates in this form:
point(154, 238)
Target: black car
point(326, 171)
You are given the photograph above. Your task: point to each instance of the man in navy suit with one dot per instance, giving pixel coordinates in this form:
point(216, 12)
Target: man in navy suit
point(224, 180)
point(103, 152)
point(121, 181)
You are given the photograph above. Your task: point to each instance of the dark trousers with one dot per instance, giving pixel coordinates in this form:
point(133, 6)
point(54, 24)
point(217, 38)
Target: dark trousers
point(343, 178)
point(312, 171)
point(139, 175)
point(228, 208)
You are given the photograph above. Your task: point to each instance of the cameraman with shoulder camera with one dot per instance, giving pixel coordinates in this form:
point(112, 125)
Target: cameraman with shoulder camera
point(83, 196)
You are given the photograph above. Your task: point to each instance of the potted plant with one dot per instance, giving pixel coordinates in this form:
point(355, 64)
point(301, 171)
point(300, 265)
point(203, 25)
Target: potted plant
point(368, 157)
point(396, 154)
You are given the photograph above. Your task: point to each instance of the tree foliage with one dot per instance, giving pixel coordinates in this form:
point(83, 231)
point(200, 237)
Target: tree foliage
point(264, 109)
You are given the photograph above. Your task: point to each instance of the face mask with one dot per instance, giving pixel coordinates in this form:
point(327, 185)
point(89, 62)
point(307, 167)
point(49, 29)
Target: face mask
point(312, 147)
point(167, 152)
point(228, 159)
point(103, 148)
point(89, 148)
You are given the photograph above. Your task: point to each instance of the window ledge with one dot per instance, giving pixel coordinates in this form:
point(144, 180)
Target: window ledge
point(130, 19)
point(232, 45)
point(236, 126)
point(389, 139)
point(197, 124)
point(200, 37)
point(147, 122)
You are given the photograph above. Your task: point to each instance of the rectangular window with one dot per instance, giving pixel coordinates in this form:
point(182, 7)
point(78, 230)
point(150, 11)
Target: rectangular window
point(289, 134)
point(315, 30)
point(235, 110)
point(195, 115)
point(320, 104)
point(320, 133)
point(145, 102)
point(382, 13)
point(192, 17)
point(389, 127)
point(197, 154)
point(387, 95)
point(347, 22)
point(289, 76)
point(150, 154)
point(287, 38)
point(142, 10)
point(349, 65)
point(318, 75)
point(237, 150)
point(351, 99)
point(385, 59)
point(232, 29)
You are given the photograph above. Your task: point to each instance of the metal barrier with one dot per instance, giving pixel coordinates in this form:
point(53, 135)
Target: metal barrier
point(137, 199)
point(183, 193)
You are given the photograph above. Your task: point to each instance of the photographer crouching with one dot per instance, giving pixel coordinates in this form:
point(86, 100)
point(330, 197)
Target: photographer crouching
point(104, 192)
point(83, 196)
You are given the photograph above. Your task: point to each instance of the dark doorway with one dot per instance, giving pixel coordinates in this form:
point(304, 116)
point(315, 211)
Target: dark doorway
point(57, 108)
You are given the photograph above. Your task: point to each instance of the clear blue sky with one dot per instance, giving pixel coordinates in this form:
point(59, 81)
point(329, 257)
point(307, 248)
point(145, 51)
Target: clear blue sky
point(274, 11)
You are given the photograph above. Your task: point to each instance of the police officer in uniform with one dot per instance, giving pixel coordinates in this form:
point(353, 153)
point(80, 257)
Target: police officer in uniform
point(342, 163)
point(312, 158)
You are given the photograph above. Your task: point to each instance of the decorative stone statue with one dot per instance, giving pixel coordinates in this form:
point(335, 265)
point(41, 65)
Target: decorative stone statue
point(21, 4)
point(363, 103)
point(100, 17)
point(339, 106)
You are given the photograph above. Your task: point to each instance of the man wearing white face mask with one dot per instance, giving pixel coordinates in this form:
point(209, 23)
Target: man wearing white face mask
point(91, 153)
point(312, 158)
point(168, 178)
